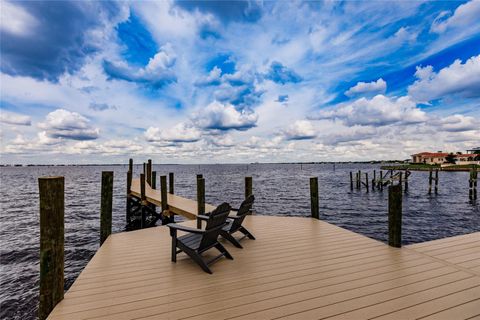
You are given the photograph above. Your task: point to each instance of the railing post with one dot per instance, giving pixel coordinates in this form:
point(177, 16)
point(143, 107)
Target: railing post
point(314, 198)
point(248, 187)
point(200, 199)
point(395, 216)
point(171, 183)
point(106, 206)
point(52, 213)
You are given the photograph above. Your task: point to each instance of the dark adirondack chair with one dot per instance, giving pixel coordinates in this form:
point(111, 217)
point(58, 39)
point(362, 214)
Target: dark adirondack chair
point(199, 241)
point(235, 223)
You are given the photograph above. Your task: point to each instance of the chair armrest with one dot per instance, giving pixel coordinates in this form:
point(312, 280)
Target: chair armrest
point(235, 217)
point(175, 226)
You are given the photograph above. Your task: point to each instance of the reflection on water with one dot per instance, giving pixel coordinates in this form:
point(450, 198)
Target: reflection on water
point(281, 189)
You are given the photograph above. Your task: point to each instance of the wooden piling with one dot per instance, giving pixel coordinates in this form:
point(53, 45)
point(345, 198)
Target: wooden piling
point(144, 168)
point(381, 180)
point(200, 199)
point(52, 212)
point(359, 180)
point(248, 187)
point(149, 172)
point(154, 180)
point(199, 176)
point(171, 183)
point(129, 197)
point(166, 218)
point(130, 165)
point(407, 174)
point(314, 208)
point(143, 199)
point(374, 179)
point(395, 216)
point(366, 182)
point(430, 181)
point(436, 181)
point(106, 206)
point(472, 191)
point(351, 181)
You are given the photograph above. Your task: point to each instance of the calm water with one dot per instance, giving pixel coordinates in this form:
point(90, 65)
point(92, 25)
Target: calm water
point(279, 190)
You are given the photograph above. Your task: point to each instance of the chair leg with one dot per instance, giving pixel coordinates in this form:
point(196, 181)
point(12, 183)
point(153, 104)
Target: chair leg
point(232, 239)
point(174, 249)
point(223, 251)
point(246, 232)
point(198, 259)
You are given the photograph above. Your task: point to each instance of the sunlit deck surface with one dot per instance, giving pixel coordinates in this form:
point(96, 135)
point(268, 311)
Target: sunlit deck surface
point(298, 268)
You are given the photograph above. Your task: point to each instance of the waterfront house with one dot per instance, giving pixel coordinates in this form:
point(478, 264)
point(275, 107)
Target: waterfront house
point(440, 158)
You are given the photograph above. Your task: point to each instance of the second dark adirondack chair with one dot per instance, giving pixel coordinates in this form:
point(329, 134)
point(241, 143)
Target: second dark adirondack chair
point(199, 241)
point(235, 223)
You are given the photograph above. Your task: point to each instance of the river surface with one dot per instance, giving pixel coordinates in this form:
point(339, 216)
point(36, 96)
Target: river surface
point(280, 189)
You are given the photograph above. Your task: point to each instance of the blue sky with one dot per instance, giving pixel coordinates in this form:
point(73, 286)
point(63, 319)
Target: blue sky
point(240, 81)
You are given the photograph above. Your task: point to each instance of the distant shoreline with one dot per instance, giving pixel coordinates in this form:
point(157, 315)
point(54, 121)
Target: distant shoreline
point(397, 162)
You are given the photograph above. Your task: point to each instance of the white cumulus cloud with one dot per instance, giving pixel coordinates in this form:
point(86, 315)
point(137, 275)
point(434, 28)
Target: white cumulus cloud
point(378, 111)
point(459, 78)
point(65, 124)
point(379, 86)
point(464, 16)
point(15, 118)
point(300, 130)
point(223, 117)
point(182, 132)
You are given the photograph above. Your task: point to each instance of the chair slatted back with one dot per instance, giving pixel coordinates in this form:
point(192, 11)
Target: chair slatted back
point(215, 223)
point(244, 209)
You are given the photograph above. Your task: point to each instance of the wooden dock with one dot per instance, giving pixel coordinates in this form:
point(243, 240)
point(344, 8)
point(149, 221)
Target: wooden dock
point(298, 268)
point(176, 204)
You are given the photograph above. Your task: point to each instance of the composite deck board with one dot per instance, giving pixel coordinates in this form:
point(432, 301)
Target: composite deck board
point(298, 268)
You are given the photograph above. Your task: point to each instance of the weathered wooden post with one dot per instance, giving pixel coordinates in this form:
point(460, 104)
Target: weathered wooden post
point(199, 176)
point(166, 216)
point(143, 200)
point(248, 187)
point(106, 206)
point(366, 182)
point(314, 198)
point(430, 181)
point(407, 174)
point(436, 181)
point(154, 180)
point(359, 180)
point(130, 165)
point(472, 192)
point(144, 168)
point(52, 212)
point(200, 199)
point(373, 180)
point(171, 183)
point(129, 196)
point(381, 180)
point(395, 215)
point(149, 172)
point(351, 181)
